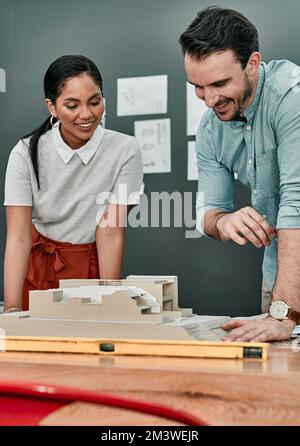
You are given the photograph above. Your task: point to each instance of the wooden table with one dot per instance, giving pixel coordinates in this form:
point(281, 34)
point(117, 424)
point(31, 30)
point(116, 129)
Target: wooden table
point(222, 392)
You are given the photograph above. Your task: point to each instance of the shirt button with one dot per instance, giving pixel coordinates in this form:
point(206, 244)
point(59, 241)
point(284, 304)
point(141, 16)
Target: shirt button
point(255, 191)
point(248, 127)
point(250, 161)
point(264, 216)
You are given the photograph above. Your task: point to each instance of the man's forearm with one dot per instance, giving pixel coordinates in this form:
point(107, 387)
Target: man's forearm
point(287, 285)
point(210, 220)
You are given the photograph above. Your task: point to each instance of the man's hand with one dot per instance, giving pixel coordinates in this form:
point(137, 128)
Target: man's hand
point(268, 329)
point(246, 225)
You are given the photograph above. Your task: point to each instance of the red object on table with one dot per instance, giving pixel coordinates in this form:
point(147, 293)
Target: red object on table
point(26, 403)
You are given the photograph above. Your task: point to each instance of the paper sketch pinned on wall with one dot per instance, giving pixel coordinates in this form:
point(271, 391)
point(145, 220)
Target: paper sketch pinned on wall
point(2, 81)
point(192, 173)
point(154, 138)
point(144, 95)
point(195, 108)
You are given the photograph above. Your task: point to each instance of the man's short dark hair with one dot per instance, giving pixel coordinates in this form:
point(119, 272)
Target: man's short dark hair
point(217, 29)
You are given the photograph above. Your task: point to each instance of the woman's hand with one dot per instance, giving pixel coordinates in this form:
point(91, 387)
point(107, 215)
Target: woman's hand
point(12, 310)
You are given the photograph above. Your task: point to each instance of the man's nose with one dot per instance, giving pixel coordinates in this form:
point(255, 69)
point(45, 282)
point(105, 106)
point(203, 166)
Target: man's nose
point(210, 98)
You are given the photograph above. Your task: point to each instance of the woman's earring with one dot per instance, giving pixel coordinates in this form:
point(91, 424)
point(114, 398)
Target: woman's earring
point(51, 120)
point(102, 122)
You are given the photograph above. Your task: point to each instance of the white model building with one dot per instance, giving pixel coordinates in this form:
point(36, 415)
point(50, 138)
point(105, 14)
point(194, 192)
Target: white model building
point(138, 307)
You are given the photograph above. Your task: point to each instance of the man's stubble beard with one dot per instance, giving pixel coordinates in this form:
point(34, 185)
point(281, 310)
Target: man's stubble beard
point(239, 109)
point(247, 93)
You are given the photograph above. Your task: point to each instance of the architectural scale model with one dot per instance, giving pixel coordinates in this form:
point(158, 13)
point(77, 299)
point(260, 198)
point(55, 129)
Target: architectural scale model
point(138, 307)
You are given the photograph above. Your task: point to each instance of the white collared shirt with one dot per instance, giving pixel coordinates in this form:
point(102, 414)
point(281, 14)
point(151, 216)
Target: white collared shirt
point(85, 152)
point(73, 183)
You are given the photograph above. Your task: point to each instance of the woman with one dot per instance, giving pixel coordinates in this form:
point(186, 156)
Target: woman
point(56, 227)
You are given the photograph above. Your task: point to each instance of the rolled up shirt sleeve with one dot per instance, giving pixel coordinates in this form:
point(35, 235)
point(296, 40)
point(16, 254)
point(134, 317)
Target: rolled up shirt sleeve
point(287, 124)
point(215, 181)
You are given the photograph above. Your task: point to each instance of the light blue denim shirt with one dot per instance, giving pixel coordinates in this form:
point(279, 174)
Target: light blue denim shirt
point(264, 152)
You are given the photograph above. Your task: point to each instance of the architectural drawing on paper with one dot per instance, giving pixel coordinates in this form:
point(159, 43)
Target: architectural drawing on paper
point(154, 139)
point(142, 95)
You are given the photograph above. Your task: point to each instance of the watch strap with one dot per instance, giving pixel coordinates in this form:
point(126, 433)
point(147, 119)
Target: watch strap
point(293, 315)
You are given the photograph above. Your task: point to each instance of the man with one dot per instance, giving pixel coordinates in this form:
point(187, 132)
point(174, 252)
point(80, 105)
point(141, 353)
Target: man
point(252, 129)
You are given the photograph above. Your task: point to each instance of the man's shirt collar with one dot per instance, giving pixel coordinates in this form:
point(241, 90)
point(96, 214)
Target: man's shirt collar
point(250, 111)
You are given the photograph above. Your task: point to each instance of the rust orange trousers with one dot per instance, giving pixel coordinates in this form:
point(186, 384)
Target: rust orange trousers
point(51, 261)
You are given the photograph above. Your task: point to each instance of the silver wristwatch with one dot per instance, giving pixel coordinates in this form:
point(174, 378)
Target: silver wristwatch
point(280, 310)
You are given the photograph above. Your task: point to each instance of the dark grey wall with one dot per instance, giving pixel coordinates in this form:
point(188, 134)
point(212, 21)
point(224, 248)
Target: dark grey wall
point(134, 38)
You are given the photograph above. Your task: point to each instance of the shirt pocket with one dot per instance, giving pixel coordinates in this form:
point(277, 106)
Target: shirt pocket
point(267, 173)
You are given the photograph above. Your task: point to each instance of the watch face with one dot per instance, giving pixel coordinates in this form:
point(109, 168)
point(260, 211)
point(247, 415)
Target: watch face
point(279, 310)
